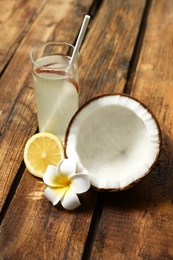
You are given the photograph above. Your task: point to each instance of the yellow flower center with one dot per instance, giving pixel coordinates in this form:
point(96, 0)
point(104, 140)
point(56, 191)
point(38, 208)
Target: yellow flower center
point(63, 181)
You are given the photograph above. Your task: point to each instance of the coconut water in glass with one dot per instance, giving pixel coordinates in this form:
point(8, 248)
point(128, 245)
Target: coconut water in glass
point(55, 86)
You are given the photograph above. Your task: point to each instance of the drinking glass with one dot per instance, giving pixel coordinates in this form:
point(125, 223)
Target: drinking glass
point(55, 86)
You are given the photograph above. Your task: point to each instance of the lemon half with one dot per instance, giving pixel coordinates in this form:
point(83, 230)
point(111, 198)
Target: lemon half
point(41, 150)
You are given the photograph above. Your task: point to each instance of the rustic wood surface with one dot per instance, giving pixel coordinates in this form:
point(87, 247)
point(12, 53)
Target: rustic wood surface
point(141, 218)
point(128, 48)
point(17, 103)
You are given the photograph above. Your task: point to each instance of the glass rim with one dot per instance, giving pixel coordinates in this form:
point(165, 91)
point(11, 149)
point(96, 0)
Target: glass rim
point(46, 44)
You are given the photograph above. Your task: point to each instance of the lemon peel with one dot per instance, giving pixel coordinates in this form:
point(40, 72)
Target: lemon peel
point(41, 150)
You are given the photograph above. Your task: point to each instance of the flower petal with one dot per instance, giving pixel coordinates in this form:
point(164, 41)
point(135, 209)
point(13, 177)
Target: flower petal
point(80, 182)
point(70, 200)
point(67, 167)
point(51, 175)
point(54, 195)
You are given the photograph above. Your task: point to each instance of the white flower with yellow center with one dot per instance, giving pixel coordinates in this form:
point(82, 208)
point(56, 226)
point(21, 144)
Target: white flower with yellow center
point(64, 184)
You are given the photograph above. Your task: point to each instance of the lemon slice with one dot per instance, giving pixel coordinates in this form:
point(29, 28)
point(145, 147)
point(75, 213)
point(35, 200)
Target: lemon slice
point(41, 150)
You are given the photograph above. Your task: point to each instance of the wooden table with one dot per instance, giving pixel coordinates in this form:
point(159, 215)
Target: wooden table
point(128, 49)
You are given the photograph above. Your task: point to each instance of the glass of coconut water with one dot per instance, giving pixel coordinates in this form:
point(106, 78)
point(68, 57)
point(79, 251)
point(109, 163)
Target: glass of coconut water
point(55, 86)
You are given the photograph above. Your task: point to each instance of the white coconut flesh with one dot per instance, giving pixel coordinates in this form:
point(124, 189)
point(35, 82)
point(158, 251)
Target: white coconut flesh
point(114, 139)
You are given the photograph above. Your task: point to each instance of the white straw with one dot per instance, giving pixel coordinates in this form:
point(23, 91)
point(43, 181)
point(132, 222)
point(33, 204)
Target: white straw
point(80, 38)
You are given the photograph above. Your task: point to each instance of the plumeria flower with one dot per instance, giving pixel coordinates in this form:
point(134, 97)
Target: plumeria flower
point(64, 184)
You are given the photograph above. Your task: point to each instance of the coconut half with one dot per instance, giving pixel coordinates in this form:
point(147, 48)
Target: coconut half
point(115, 139)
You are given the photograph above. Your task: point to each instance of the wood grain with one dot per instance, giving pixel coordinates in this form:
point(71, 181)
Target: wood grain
point(15, 19)
point(34, 229)
point(106, 56)
point(17, 104)
point(137, 223)
point(42, 231)
point(133, 224)
point(31, 230)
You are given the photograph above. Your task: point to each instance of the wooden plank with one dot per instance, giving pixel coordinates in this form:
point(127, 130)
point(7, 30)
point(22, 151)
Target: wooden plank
point(42, 231)
point(34, 229)
point(15, 20)
point(137, 223)
point(51, 24)
point(14, 138)
point(106, 56)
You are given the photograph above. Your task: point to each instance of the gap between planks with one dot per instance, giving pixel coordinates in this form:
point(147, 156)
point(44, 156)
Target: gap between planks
point(94, 225)
point(137, 49)
point(12, 191)
point(92, 12)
